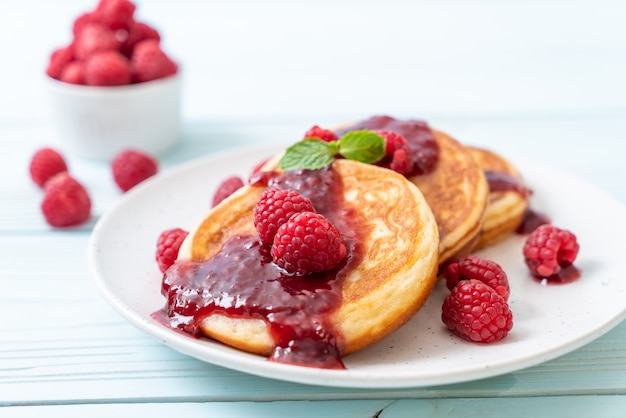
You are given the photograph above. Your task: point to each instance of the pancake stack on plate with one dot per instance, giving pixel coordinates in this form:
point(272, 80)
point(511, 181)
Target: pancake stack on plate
point(401, 231)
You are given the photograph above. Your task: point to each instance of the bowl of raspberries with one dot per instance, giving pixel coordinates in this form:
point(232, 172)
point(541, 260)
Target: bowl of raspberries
point(113, 86)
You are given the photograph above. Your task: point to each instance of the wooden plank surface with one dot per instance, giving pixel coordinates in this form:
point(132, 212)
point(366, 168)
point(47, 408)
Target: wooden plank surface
point(548, 407)
point(61, 343)
point(539, 80)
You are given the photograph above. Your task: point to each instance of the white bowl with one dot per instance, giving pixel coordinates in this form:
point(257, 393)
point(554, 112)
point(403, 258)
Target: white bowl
point(99, 122)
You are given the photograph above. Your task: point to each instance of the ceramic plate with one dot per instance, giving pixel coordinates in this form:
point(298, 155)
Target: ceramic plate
point(550, 320)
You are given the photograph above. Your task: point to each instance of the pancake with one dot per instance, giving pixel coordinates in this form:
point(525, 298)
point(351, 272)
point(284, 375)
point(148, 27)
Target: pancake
point(457, 192)
point(390, 270)
point(508, 197)
point(454, 185)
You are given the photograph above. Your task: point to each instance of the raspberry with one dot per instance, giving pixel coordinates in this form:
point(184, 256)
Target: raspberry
point(474, 267)
point(274, 208)
point(107, 68)
point(476, 312)
point(59, 59)
point(115, 14)
point(149, 62)
point(393, 141)
point(111, 27)
point(226, 188)
point(401, 163)
point(396, 153)
point(320, 133)
point(73, 73)
point(65, 201)
point(138, 32)
point(46, 163)
point(92, 38)
point(131, 167)
point(82, 21)
point(549, 249)
point(168, 244)
point(307, 243)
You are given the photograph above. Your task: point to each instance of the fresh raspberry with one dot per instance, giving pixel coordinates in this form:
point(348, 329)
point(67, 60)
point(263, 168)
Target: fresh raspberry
point(274, 208)
point(138, 32)
point(549, 249)
point(149, 62)
point(65, 201)
point(320, 133)
point(107, 68)
point(115, 14)
point(401, 162)
point(45, 164)
point(226, 188)
point(168, 244)
point(397, 153)
point(478, 268)
point(58, 60)
point(93, 38)
point(73, 73)
point(393, 141)
point(131, 167)
point(476, 312)
point(307, 243)
point(82, 21)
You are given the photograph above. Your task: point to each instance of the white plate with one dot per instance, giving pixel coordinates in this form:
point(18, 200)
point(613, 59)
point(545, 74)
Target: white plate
point(548, 320)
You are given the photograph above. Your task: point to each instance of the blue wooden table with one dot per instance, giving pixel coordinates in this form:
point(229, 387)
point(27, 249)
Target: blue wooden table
point(542, 81)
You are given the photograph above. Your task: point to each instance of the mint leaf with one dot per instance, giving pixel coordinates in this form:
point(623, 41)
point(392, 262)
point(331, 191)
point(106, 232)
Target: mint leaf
point(313, 153)
point(365, 146)
point(309, 154)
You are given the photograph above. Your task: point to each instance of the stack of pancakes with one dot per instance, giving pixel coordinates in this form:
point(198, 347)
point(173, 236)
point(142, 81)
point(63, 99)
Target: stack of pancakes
point(413, 225)
point(477, 196)
point(471, 209)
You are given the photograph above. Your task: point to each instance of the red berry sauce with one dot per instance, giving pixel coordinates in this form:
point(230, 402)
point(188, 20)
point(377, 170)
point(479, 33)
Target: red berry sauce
point(242, 281)
point(567, 274)
point(421, 141)
point(531, 221)
point(499, 181)
point(503, 182)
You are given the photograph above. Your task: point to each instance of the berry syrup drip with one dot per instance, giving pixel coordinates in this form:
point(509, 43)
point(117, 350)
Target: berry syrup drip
point(531, 221)
point(421, 141)
point(567, 274)
point(241, 281)
point(503, 182)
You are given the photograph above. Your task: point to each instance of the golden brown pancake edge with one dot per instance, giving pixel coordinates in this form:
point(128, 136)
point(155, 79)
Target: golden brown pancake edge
point(457, 193)
point(505, 208)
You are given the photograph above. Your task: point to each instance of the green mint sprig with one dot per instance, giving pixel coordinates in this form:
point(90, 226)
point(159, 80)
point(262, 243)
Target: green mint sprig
point(313, 153)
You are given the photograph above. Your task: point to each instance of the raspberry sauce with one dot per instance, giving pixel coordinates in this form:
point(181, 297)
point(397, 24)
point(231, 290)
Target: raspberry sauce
point(567, 274)
point(499, 181)
point(241, 281)
point(531, 221)
point(503, 182)
point(421, 141)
